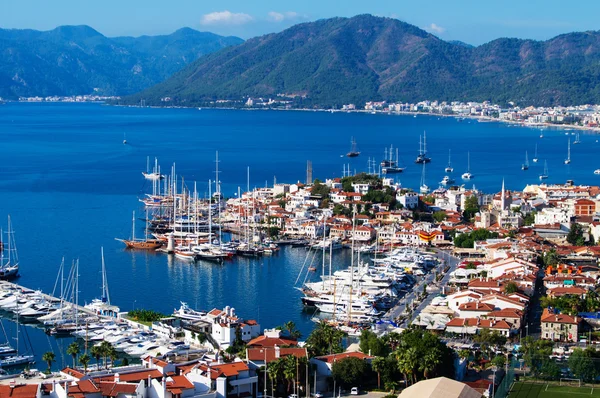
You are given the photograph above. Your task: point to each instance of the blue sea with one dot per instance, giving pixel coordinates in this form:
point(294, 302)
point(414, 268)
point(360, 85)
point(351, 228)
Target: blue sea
point(70, 185)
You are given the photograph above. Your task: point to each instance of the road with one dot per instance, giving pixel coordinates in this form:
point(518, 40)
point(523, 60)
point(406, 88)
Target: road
point(445, 259)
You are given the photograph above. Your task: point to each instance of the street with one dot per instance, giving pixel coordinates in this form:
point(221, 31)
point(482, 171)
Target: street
point(445, 259)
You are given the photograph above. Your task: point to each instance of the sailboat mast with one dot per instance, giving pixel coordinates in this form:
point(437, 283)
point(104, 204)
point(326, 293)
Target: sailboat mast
point(133, 227)
point(323, 261)
point(105, 294)
point(210, 212)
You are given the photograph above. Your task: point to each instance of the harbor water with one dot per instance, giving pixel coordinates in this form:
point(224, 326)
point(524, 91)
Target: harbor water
point(70, 185)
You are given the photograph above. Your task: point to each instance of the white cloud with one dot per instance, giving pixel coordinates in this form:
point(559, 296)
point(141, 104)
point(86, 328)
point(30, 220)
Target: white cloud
point(226, 18)
point(435, 28)
point(279, 17)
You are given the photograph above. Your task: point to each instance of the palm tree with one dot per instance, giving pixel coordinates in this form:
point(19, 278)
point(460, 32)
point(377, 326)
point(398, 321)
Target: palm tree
point(113, 355)
point(275, 372)
point(105, 350)
point(73, 350)
point(49, 358)
point(96, 352)
point(290, 328)
point(289, 370)
point(378, 365)
point(84, 360)
point(407, 363)
point(430, 362)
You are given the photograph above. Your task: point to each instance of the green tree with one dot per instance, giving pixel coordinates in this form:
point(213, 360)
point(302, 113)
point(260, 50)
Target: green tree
point(499, 361)
point(84, 360)
point(471, 207)
point(551, 258)
point(73, 350)
point(581, 363)
point(371, 344)
point(49, 357)
point(319, 189)
point(105, 350)
point(96, 352)
point(511, 287)
point(378, 365)
point(291, 330)
point(349, 371)
point(324, 339)
point(575, 235)
point(439, 216)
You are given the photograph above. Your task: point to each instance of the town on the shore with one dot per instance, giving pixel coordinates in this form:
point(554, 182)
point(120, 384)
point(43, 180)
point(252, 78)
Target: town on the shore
point(494, 286)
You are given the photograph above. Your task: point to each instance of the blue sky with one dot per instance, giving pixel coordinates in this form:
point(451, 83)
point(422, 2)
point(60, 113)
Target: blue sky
point(474, 22)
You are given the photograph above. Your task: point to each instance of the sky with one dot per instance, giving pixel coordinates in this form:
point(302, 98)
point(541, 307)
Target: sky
point(474, 22)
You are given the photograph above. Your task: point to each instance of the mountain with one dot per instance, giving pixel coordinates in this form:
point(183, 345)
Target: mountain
point(73, 60)
point(351, 60)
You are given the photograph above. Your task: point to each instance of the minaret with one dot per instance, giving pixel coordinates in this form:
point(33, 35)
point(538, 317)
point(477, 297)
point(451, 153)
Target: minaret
point(503, 200)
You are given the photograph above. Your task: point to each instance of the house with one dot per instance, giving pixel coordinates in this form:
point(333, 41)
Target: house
point(324, 363)
point(257, 357)
point(225, 325)
point(567, 291)
point(511, 316)
point(474, 309)
point(559, 327)
point(474, 325)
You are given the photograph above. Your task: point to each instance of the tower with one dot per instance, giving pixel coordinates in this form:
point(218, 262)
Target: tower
point(503, 198)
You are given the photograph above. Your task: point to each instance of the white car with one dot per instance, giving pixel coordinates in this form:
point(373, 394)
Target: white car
point(354, 391)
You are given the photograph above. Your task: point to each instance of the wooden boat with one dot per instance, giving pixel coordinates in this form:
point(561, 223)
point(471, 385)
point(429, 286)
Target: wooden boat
point(141, 244)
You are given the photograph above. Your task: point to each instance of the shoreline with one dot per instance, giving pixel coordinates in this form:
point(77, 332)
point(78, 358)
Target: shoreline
point(480, 119)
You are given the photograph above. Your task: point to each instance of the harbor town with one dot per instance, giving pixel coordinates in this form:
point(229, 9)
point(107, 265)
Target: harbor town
point(493, 284)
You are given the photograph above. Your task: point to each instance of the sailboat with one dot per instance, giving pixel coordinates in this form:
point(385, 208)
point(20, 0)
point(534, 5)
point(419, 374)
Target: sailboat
point(577, 141)
point(102, 306)
point(525, 165)
point(568, 159)
point(424, 189)
point(467, 175)
point(544, 175)
point(124, 139)
point(17, 360)
point(145, 244)
point(9, 265)
point(449, 168)
point(391, 166)
point(422, 157)
point(535, 156)
point(155, 174)
point(353, 152)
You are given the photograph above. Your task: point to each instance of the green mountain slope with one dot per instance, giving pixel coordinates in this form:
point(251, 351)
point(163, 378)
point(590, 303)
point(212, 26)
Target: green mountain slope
point(352, 60)
point(77, 59)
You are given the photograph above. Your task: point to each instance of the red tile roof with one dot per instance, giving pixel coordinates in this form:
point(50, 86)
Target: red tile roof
point(133, 376)
point(109, 389)
point(19, 390)
point(264, 341)
point(259, 354)
point(338, 357)
point(549, 317)
point(179, 383)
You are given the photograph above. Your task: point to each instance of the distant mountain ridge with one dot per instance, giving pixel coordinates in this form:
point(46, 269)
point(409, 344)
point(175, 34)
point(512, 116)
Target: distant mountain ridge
point(351, 60)
point(72, 60)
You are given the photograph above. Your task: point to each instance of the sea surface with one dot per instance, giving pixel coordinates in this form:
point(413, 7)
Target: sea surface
point(70, 184)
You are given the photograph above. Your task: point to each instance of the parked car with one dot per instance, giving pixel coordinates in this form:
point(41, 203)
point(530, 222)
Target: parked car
point(354, 391)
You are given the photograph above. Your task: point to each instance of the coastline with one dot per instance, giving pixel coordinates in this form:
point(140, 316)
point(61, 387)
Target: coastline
point(481, 119)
